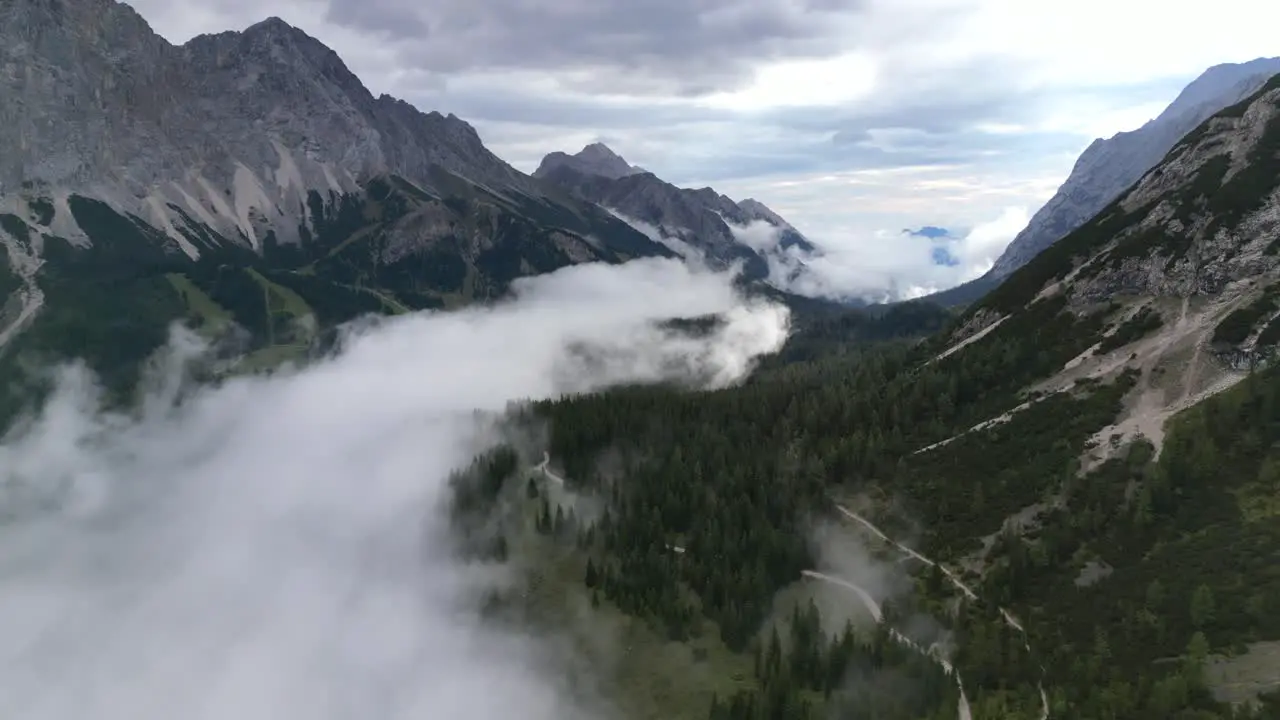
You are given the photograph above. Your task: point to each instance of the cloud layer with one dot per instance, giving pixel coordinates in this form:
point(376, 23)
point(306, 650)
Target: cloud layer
point(884, 266)
point(273, 547)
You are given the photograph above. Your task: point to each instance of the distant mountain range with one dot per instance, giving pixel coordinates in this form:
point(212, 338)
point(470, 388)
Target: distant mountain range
point(701, 223)
point(1109, 167)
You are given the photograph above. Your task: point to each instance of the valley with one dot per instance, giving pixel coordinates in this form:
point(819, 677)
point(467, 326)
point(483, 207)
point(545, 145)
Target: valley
point(314, 405)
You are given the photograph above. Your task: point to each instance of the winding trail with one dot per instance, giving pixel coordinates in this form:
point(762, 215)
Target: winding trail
point(873, 607)
point(869, 602)
point(1009, 618)
point(968, 591)
point(542, 468)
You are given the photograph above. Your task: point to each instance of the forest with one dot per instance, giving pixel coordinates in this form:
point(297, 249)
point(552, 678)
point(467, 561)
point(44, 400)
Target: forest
point(736, 479)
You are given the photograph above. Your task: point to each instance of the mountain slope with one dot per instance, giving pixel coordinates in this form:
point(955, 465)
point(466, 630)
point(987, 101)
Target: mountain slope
point(142, 182)
point(717, 228)
point(1108, 167)
point(230, 135)
point(1180, 270)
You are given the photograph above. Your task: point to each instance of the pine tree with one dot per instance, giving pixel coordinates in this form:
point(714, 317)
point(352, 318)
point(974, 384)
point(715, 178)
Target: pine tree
point(1202, 607)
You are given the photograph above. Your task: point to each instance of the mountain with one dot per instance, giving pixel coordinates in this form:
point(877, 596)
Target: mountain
point(142, 182)
point(700, 221)
point(235, 129)
point(1109, 167)
point(594, 159)
point(1175, 285)
point(1064, 505)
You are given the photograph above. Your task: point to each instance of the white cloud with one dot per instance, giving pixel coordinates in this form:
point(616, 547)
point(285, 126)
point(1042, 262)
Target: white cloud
point(692, 255)
point(882, 265)
point(1102, 42)
point(1096, 119)
point(822, 82)
point(984, 243)
point(273, 547)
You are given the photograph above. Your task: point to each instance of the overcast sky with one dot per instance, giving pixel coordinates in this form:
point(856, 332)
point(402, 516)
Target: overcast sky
point(849, 117)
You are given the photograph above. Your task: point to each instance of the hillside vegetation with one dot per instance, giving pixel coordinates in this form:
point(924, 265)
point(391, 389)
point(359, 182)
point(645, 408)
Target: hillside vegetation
point(1091, 481)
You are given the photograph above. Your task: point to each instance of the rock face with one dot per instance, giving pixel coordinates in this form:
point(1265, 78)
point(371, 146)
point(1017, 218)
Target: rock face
point(1173, 289)
point(1203, 224)
point(700, 221)
point(242, 180)
point(1108, 167)
point(229, 133)
point(1208, 216)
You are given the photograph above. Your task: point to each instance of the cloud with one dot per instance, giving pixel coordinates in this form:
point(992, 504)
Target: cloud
point(664, 47)
point(274, 546)
point(883, 266)
point(692, 256)
point(942, 256)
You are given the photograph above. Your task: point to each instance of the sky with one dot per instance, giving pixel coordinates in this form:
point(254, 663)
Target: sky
point(276, 546)
point(854, 119)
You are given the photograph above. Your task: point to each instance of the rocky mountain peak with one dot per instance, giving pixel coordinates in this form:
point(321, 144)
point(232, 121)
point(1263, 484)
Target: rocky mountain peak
point(234, 129)
point(757, 210)
point(274, 26)
point(276, 48)
point(599, 152)
point(594, 159)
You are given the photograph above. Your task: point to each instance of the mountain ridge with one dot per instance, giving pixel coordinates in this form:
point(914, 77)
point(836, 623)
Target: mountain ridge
point(593, 159)
point(697, 222)
point(1179, 277)
point(248, 179)
point(1108, 167)
point(247, 183)
point(202, 126)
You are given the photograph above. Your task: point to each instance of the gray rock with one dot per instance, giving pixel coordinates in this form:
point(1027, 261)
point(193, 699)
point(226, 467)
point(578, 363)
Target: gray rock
point(594, 159)
point(233, 128)
point(709, 223)
point(1206, 217)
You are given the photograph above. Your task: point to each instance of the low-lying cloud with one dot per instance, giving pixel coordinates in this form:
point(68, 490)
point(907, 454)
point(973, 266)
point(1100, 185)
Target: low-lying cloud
point(887, 267)
point(665, 236)
point(273, 547)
